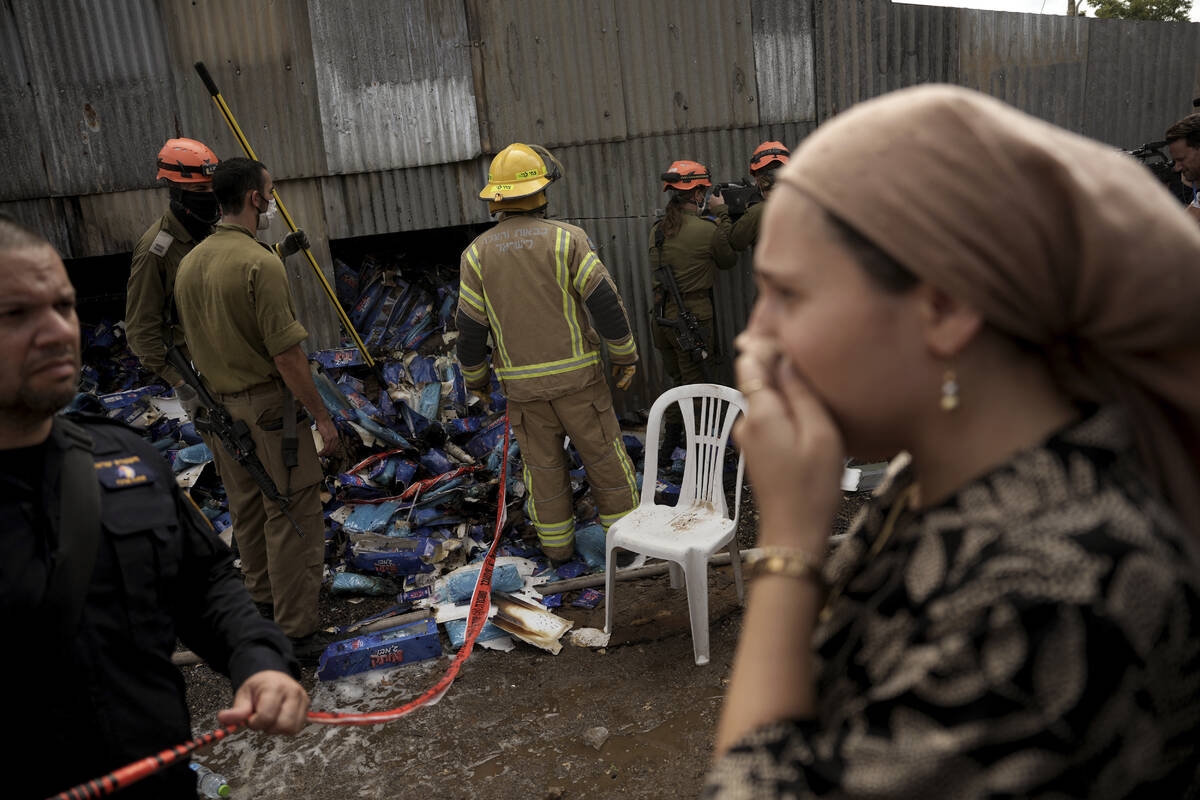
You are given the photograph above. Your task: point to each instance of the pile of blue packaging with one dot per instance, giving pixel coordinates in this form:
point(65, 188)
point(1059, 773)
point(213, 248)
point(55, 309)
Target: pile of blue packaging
point(113, 382)
point(421, 500)
point(415, 498)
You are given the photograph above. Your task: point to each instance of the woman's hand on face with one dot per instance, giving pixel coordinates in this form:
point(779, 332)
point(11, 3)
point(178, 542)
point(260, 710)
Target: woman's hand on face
point(794, 451)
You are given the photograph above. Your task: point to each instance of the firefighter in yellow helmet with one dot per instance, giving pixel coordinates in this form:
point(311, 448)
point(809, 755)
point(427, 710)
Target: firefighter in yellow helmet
point(526, 282)
point(689, 246)
point(767, 157)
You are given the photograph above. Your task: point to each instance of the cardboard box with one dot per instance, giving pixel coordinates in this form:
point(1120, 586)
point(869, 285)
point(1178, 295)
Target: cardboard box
point(385, 649)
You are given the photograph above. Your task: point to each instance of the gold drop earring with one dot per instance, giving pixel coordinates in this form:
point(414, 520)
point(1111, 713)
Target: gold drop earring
point(949, 391)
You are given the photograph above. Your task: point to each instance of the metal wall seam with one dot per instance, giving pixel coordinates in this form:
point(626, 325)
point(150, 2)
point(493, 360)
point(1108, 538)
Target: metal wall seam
point(1141, 77)
point(419, 198)
point(107, 224)
point(687, 65)
point(869, 47)
point(551, 72)
point(783, 60)
point(1035, 62)
point(394, 82)
point(261, 56)
point(101, 105)
point(24, 174)
point(622, 178)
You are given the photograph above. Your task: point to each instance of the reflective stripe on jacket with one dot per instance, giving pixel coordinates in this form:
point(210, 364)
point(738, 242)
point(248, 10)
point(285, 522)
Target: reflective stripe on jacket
point(527, 281)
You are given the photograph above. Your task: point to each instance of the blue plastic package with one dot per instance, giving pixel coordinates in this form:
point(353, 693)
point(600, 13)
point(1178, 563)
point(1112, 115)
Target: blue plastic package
point(371, 518)
point(460, 585)
point(571, 569)
point(353, 583)
point(456, 629)
point(590, 542)
point(588, 598)
point(436, 461)
point(195, 454)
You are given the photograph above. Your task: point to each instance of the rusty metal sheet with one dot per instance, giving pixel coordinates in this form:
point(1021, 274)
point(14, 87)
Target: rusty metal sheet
point(783, 60)
point(550, 71)
point(261, 56)
point(394, 81)
point(45, 216)
point(865, 48)
point(687, 65)
point(24, 174)
point(103, 106)
point(1035, 62)
point(104, 224)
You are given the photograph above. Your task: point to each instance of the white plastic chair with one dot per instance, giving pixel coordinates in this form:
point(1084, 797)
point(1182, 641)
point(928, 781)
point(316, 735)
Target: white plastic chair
point(688, 533)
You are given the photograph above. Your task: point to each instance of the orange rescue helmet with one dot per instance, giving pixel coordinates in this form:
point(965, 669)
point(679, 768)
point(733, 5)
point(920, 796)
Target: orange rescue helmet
point(186, 161)
point(685, 175)
point(768, 153)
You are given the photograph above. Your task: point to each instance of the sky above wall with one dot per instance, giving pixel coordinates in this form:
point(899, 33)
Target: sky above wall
point(1026, 6)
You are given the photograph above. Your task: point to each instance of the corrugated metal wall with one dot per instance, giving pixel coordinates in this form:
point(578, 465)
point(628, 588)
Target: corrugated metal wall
point(1140, 79)
point(783, 59)
point(869, 47)
point(380, 116)
point(395, 84)
point(91, 101)
point(1036, 62)
point(24, 174)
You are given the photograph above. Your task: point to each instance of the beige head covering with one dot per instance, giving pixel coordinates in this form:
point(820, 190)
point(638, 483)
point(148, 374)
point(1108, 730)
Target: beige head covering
point(1054, 238)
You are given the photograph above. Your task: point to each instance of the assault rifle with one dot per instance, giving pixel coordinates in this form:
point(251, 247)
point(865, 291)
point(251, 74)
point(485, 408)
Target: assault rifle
point(738, 196)
point(687, 328)
point(234, 434)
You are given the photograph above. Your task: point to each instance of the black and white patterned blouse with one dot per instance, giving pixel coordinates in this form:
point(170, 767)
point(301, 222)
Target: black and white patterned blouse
point(1036, 635)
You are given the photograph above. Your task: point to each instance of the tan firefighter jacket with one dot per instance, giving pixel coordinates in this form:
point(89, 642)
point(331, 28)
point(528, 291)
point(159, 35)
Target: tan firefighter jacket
point(526, 282)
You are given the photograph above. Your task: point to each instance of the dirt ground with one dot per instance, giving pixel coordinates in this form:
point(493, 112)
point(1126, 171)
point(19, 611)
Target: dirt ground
point(522, 724)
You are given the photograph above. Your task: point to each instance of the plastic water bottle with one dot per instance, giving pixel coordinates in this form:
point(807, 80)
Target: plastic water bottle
point(209, 783)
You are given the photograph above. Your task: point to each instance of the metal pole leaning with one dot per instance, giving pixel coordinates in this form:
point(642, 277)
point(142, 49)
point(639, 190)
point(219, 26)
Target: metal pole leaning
point(283, 212)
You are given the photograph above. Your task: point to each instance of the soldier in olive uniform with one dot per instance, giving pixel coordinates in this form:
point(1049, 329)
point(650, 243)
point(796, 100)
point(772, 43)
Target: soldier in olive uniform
point(767, 157)
point(236, 307)
point(693, 247)
point(186, 166)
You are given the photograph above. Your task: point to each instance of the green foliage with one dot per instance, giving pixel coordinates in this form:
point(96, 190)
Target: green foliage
point(1162, 10)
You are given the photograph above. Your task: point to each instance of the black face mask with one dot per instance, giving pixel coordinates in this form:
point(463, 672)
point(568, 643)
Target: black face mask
point(195, 209)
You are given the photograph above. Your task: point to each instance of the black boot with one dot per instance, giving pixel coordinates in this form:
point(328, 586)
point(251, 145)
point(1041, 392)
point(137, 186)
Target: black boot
point(673, 436)
point(308, 649)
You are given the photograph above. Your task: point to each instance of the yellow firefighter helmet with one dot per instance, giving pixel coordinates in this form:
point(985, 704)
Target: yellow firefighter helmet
point(518, 177)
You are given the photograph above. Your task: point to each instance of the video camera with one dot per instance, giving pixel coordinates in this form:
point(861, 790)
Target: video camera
point(1154, 157)
point(738, 195)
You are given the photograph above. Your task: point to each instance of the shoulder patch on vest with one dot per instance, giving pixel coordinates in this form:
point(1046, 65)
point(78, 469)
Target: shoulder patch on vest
point(118, 473)
point(161, 243)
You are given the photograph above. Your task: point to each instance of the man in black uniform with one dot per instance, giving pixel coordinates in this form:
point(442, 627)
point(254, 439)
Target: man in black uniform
point(103, 562)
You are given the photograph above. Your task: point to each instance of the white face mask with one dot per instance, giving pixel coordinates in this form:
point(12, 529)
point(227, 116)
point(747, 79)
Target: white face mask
point(265, 217)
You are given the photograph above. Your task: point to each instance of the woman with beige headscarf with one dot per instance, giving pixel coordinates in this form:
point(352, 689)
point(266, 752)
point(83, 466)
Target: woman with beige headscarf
point(1016, 612)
